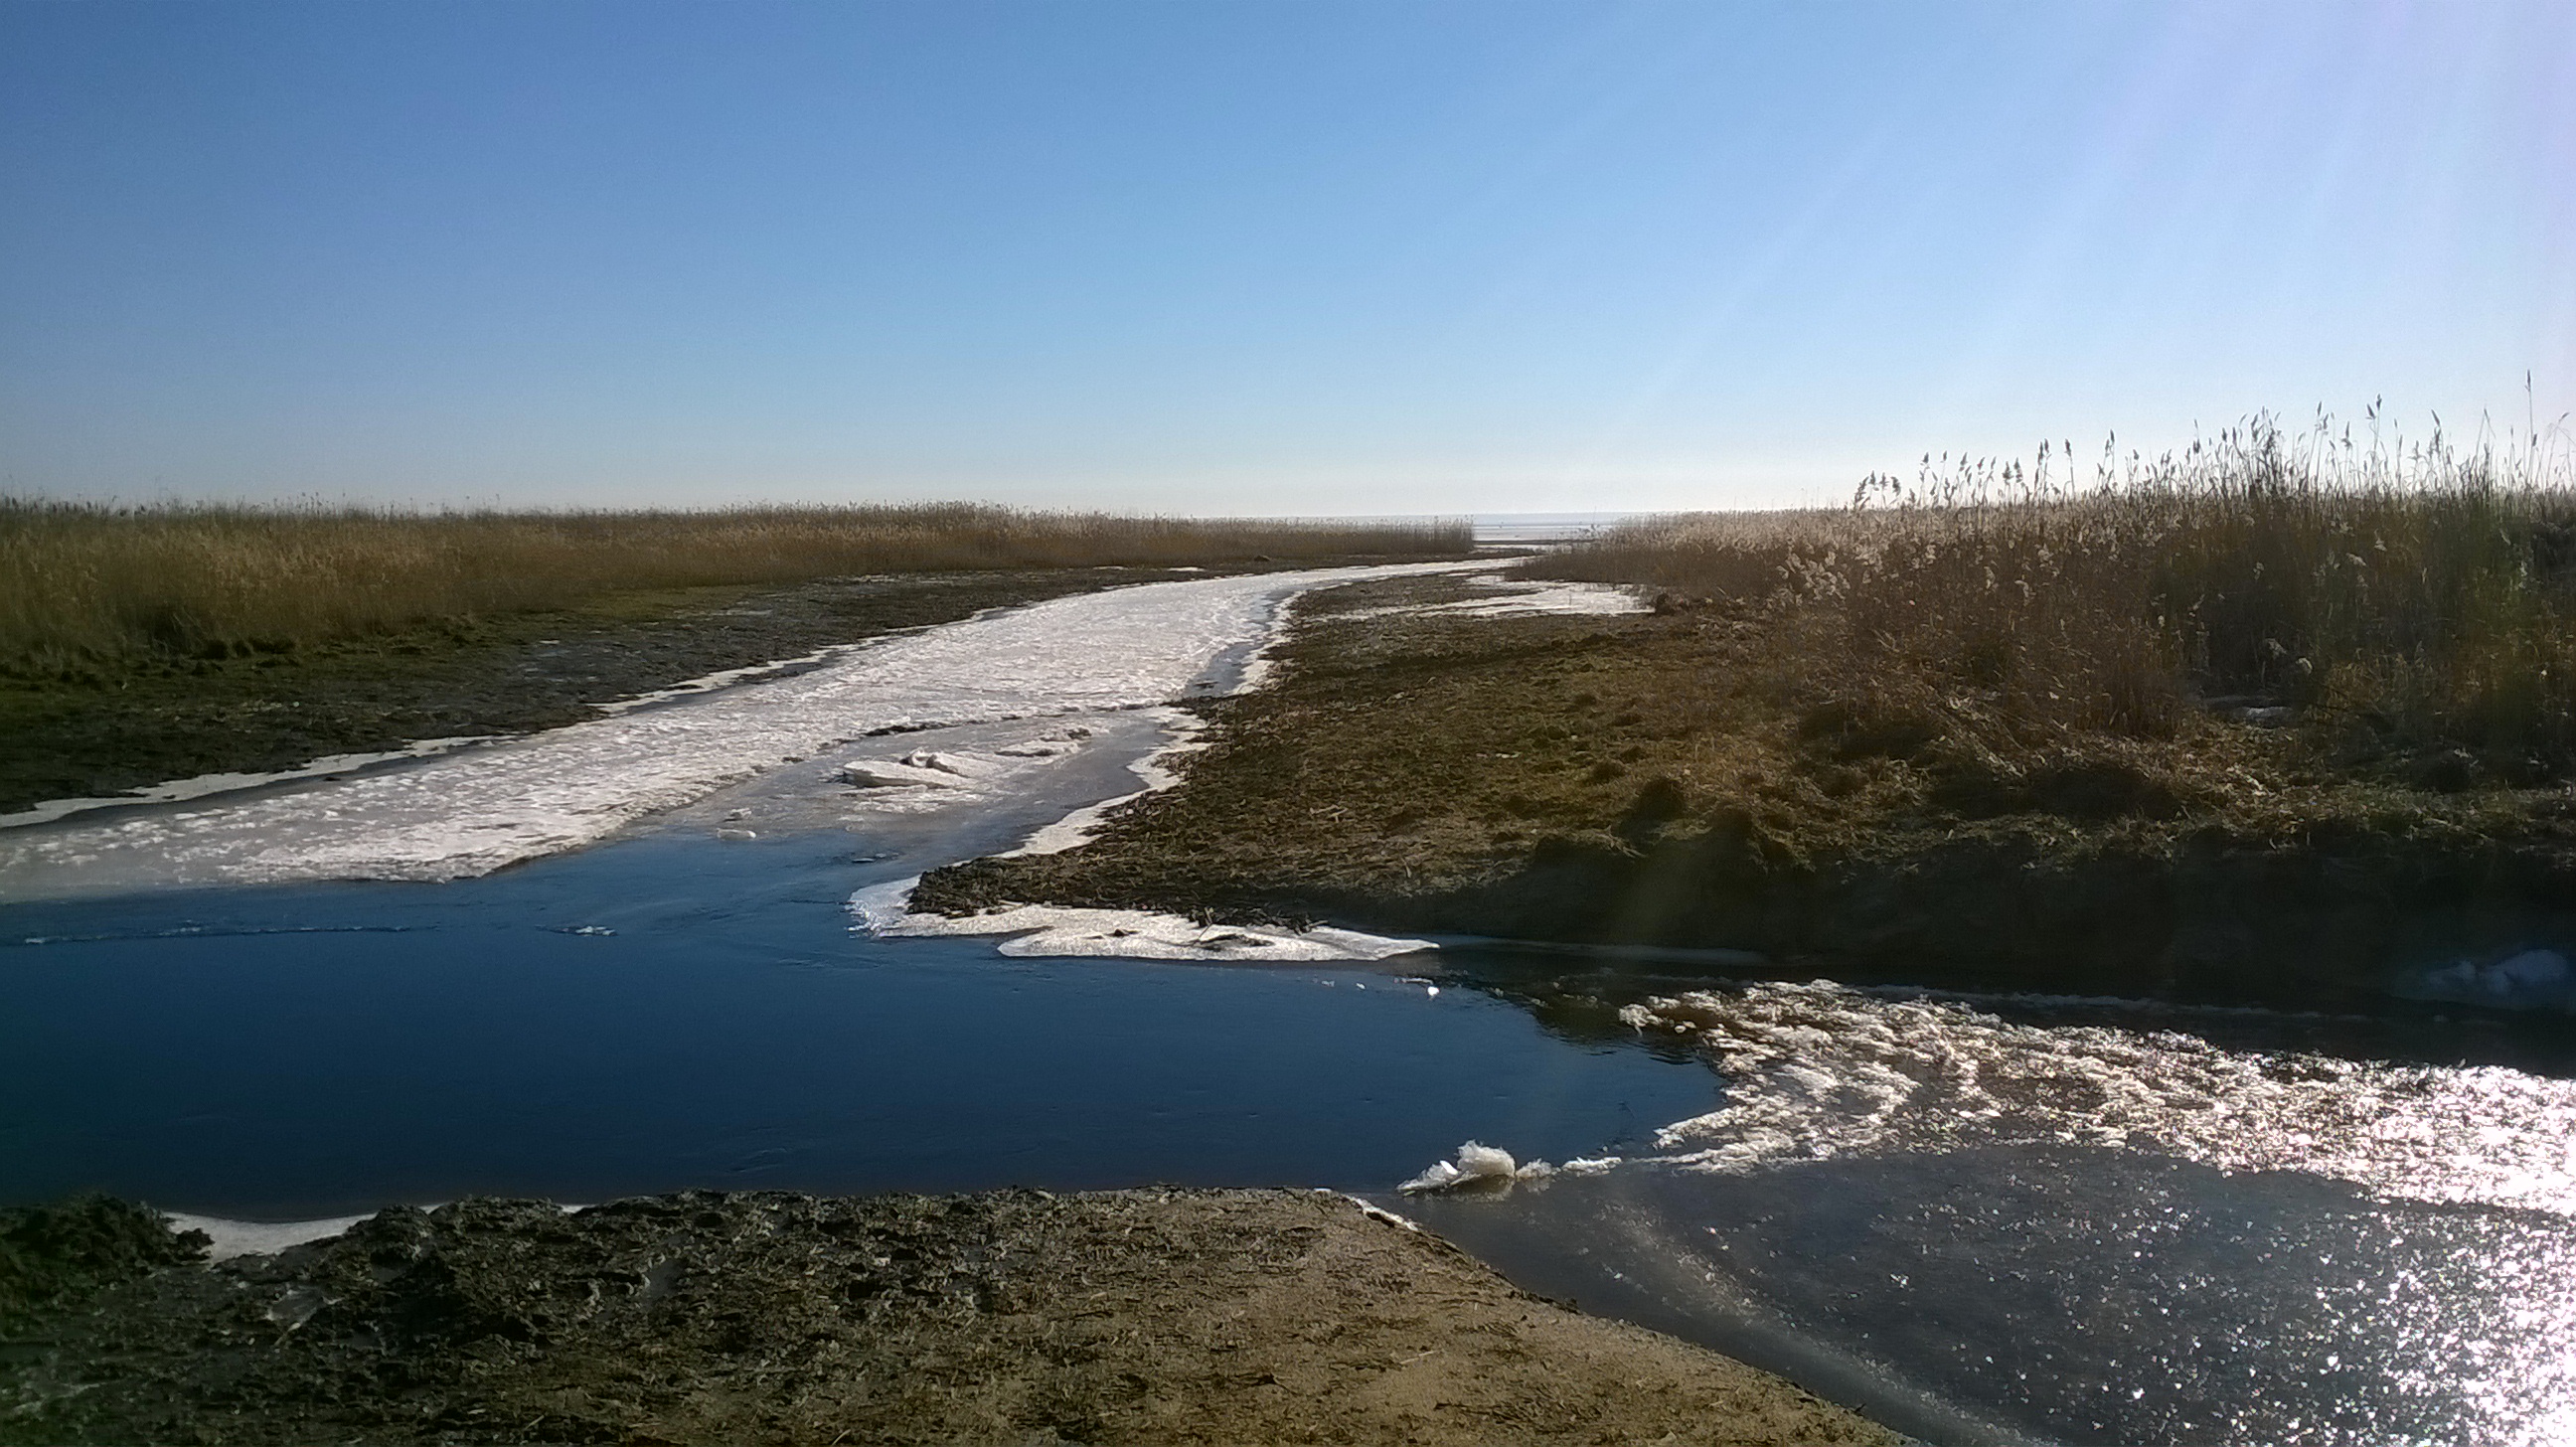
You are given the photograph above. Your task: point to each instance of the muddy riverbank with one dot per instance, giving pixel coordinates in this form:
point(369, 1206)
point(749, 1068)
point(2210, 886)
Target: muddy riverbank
point(1134, 1316)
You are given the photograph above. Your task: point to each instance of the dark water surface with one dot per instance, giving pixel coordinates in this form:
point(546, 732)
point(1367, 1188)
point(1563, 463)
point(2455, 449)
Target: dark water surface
point(1981, 1221)
point(276, 1053)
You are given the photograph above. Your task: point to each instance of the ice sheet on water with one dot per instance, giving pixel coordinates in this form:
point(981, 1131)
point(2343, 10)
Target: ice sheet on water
point(259, 1238)
point(474, 811)
point(1057, 932)
point(1519, 598)
point(1158, 770)
point(1820, 1071)
point(1524, 598)
point(202, 786)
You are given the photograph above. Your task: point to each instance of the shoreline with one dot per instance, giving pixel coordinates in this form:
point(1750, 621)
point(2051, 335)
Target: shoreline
point(130, 732)
point(1560, 780)
point(1147, 1315)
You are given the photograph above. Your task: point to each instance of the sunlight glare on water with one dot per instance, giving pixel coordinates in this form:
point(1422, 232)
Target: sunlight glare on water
point(1822, 1070)
point(2110, 1232)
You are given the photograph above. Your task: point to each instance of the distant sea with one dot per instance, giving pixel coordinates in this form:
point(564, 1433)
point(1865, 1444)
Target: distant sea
point(1543, 527)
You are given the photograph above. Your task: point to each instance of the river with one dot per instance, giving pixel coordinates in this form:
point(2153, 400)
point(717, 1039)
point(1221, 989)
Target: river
point(1980, 1219)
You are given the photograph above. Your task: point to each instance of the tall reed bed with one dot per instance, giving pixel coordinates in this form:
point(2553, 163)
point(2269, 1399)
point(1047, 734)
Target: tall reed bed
point(2394, 598)
point(81, 583)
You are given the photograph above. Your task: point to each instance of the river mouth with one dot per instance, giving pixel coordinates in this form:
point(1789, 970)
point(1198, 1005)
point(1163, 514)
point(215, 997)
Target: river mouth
point(1982, 1219)
point(677, 1009)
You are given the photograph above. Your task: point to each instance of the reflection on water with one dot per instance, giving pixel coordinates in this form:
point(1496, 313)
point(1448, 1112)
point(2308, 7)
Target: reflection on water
point(2188, 1227)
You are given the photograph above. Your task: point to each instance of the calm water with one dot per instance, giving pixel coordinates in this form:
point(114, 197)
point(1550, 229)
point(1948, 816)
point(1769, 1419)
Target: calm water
point(1983, 1221)
point(275, 1053)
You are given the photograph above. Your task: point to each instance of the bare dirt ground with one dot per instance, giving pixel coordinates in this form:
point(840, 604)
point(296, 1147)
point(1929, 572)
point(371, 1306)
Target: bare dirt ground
point(1154, 1316)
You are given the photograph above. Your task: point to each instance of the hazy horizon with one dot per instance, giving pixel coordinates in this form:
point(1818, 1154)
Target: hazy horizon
point(1253, 260)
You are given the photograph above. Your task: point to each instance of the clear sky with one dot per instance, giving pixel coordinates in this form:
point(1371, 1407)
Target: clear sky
point(1246, 256)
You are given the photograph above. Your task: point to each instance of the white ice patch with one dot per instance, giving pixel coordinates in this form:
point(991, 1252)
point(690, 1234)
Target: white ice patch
point(201, 786)
point(1523, 598)
point(1157, 770)
point(259, 1238)
point(1531, 599)
point(1039, 931)
point(2530, 980)
point(472, 812)
point(939, 769)
point(1374, 1211)
point(1821, 1071)
point(1477, 1165)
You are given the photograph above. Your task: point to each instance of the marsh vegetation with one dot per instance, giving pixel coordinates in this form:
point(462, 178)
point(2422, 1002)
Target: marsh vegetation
point(2404, 605)
point(2277, 717)
point(83, 585)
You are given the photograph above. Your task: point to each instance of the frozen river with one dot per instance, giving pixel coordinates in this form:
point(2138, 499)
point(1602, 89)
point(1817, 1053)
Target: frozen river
point(1985, 1220)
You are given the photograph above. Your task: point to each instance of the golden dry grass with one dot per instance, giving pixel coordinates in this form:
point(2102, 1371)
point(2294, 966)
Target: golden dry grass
point(88, 583)
point(2395, 599)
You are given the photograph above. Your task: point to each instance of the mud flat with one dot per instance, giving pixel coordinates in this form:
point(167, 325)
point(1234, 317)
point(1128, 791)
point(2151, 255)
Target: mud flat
point(1132, 1316)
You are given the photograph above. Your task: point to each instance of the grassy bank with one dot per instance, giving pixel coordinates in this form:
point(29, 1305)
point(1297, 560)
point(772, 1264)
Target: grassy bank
point(142, 646)
point(1153, 1316)
point(2242, 726)
point(85, 587)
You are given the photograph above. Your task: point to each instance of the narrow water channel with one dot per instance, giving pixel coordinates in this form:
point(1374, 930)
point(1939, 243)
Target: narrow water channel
point(682, 1010)
point(1982, 1220)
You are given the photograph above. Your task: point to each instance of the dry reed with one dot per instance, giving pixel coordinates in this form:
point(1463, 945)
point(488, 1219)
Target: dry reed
point(2394, 599)
point(83, 584)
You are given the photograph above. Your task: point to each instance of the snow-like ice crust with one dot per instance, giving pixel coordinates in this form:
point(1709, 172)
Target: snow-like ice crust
point(471, 812)
point(200, 786)
point(1038, 931)
point(1477, 1165)
point(1519, 598)
point(1821, 1070)
point(1053, 931)
point(1523, 598)
point(229, 1238)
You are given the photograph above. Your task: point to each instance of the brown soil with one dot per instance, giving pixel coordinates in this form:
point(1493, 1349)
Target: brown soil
point(1140, 1316)
point(120, 725)
point(1662, 779)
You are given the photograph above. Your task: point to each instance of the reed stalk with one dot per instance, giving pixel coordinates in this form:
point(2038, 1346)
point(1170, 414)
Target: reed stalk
point(2394, 598)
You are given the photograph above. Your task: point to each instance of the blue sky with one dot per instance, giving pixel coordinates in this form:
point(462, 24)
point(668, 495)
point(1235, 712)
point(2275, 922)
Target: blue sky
point(1250, 257)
